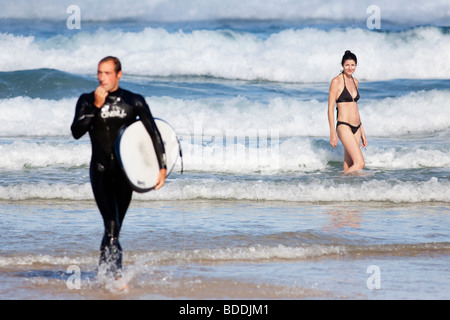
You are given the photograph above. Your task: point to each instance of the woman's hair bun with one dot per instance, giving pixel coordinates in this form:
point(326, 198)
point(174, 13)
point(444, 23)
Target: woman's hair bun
point(348, 55)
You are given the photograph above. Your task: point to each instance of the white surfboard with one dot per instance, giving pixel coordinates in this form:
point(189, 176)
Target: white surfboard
point(137, 155)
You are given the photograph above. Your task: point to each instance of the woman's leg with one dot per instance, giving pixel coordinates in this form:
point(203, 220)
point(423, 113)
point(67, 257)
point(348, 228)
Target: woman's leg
point(348, 162)
point(353, 157)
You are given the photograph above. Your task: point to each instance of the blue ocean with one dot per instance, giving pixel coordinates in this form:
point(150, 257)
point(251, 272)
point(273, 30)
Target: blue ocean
point(258, 206)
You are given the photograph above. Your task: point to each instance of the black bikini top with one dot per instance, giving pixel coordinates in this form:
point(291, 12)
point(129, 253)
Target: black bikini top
point(346, 96)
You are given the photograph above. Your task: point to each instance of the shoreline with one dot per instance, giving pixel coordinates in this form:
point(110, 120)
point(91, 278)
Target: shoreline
point(204, 249)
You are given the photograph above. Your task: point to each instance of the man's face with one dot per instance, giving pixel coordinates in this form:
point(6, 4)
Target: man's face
point(107, 77)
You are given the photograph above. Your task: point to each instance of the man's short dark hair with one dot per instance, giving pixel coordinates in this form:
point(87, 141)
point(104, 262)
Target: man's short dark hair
point(117, 64)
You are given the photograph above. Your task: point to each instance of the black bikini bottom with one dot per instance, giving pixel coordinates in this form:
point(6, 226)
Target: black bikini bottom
point(354, 129)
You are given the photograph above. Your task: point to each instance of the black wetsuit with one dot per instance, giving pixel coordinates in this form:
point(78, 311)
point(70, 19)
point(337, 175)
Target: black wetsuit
point(111, 190)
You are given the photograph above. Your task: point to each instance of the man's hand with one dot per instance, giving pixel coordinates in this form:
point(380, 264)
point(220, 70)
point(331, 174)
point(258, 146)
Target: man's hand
point(161, 178)
point(100, 95)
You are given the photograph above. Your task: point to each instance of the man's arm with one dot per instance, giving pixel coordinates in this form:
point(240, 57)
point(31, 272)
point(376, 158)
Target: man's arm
point(84, 114)
point(147, 119)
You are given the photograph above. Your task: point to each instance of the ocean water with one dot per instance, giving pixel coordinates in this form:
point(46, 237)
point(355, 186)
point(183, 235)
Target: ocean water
point(262, 209)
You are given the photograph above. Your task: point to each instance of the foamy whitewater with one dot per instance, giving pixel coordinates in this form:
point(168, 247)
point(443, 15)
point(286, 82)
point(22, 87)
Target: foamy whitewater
point(262, 209)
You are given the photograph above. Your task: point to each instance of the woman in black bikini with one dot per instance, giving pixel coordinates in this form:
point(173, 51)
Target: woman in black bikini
point(344, 94)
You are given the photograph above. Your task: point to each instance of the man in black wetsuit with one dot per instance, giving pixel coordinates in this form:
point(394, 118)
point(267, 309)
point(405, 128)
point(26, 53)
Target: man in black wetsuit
point(103, 113)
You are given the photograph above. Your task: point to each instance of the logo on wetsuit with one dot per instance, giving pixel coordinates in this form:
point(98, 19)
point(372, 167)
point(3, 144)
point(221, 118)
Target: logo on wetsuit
point(112, 112)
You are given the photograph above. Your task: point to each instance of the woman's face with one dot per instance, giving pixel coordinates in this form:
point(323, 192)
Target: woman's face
point(349, 67)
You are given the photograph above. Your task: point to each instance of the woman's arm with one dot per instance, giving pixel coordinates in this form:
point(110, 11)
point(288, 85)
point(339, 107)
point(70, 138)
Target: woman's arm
point(331, 103)
point(363, 134)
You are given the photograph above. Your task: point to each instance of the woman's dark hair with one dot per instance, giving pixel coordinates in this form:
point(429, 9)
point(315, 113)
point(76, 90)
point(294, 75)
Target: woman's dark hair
point(348, 55)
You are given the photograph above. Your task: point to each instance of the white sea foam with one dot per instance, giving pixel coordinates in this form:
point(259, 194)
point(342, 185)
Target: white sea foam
point(433, 190)
point(43, 259)
point(408, 157)
point(401, 11)
point(24, 116)
point(290, 155)
point(294, 117)
point(415, 112)
point(314, 191)
point(140, 261)
point(30, 154)
point(388, 117)
point(303, 55)
point(253, 136)
point(252, 253)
